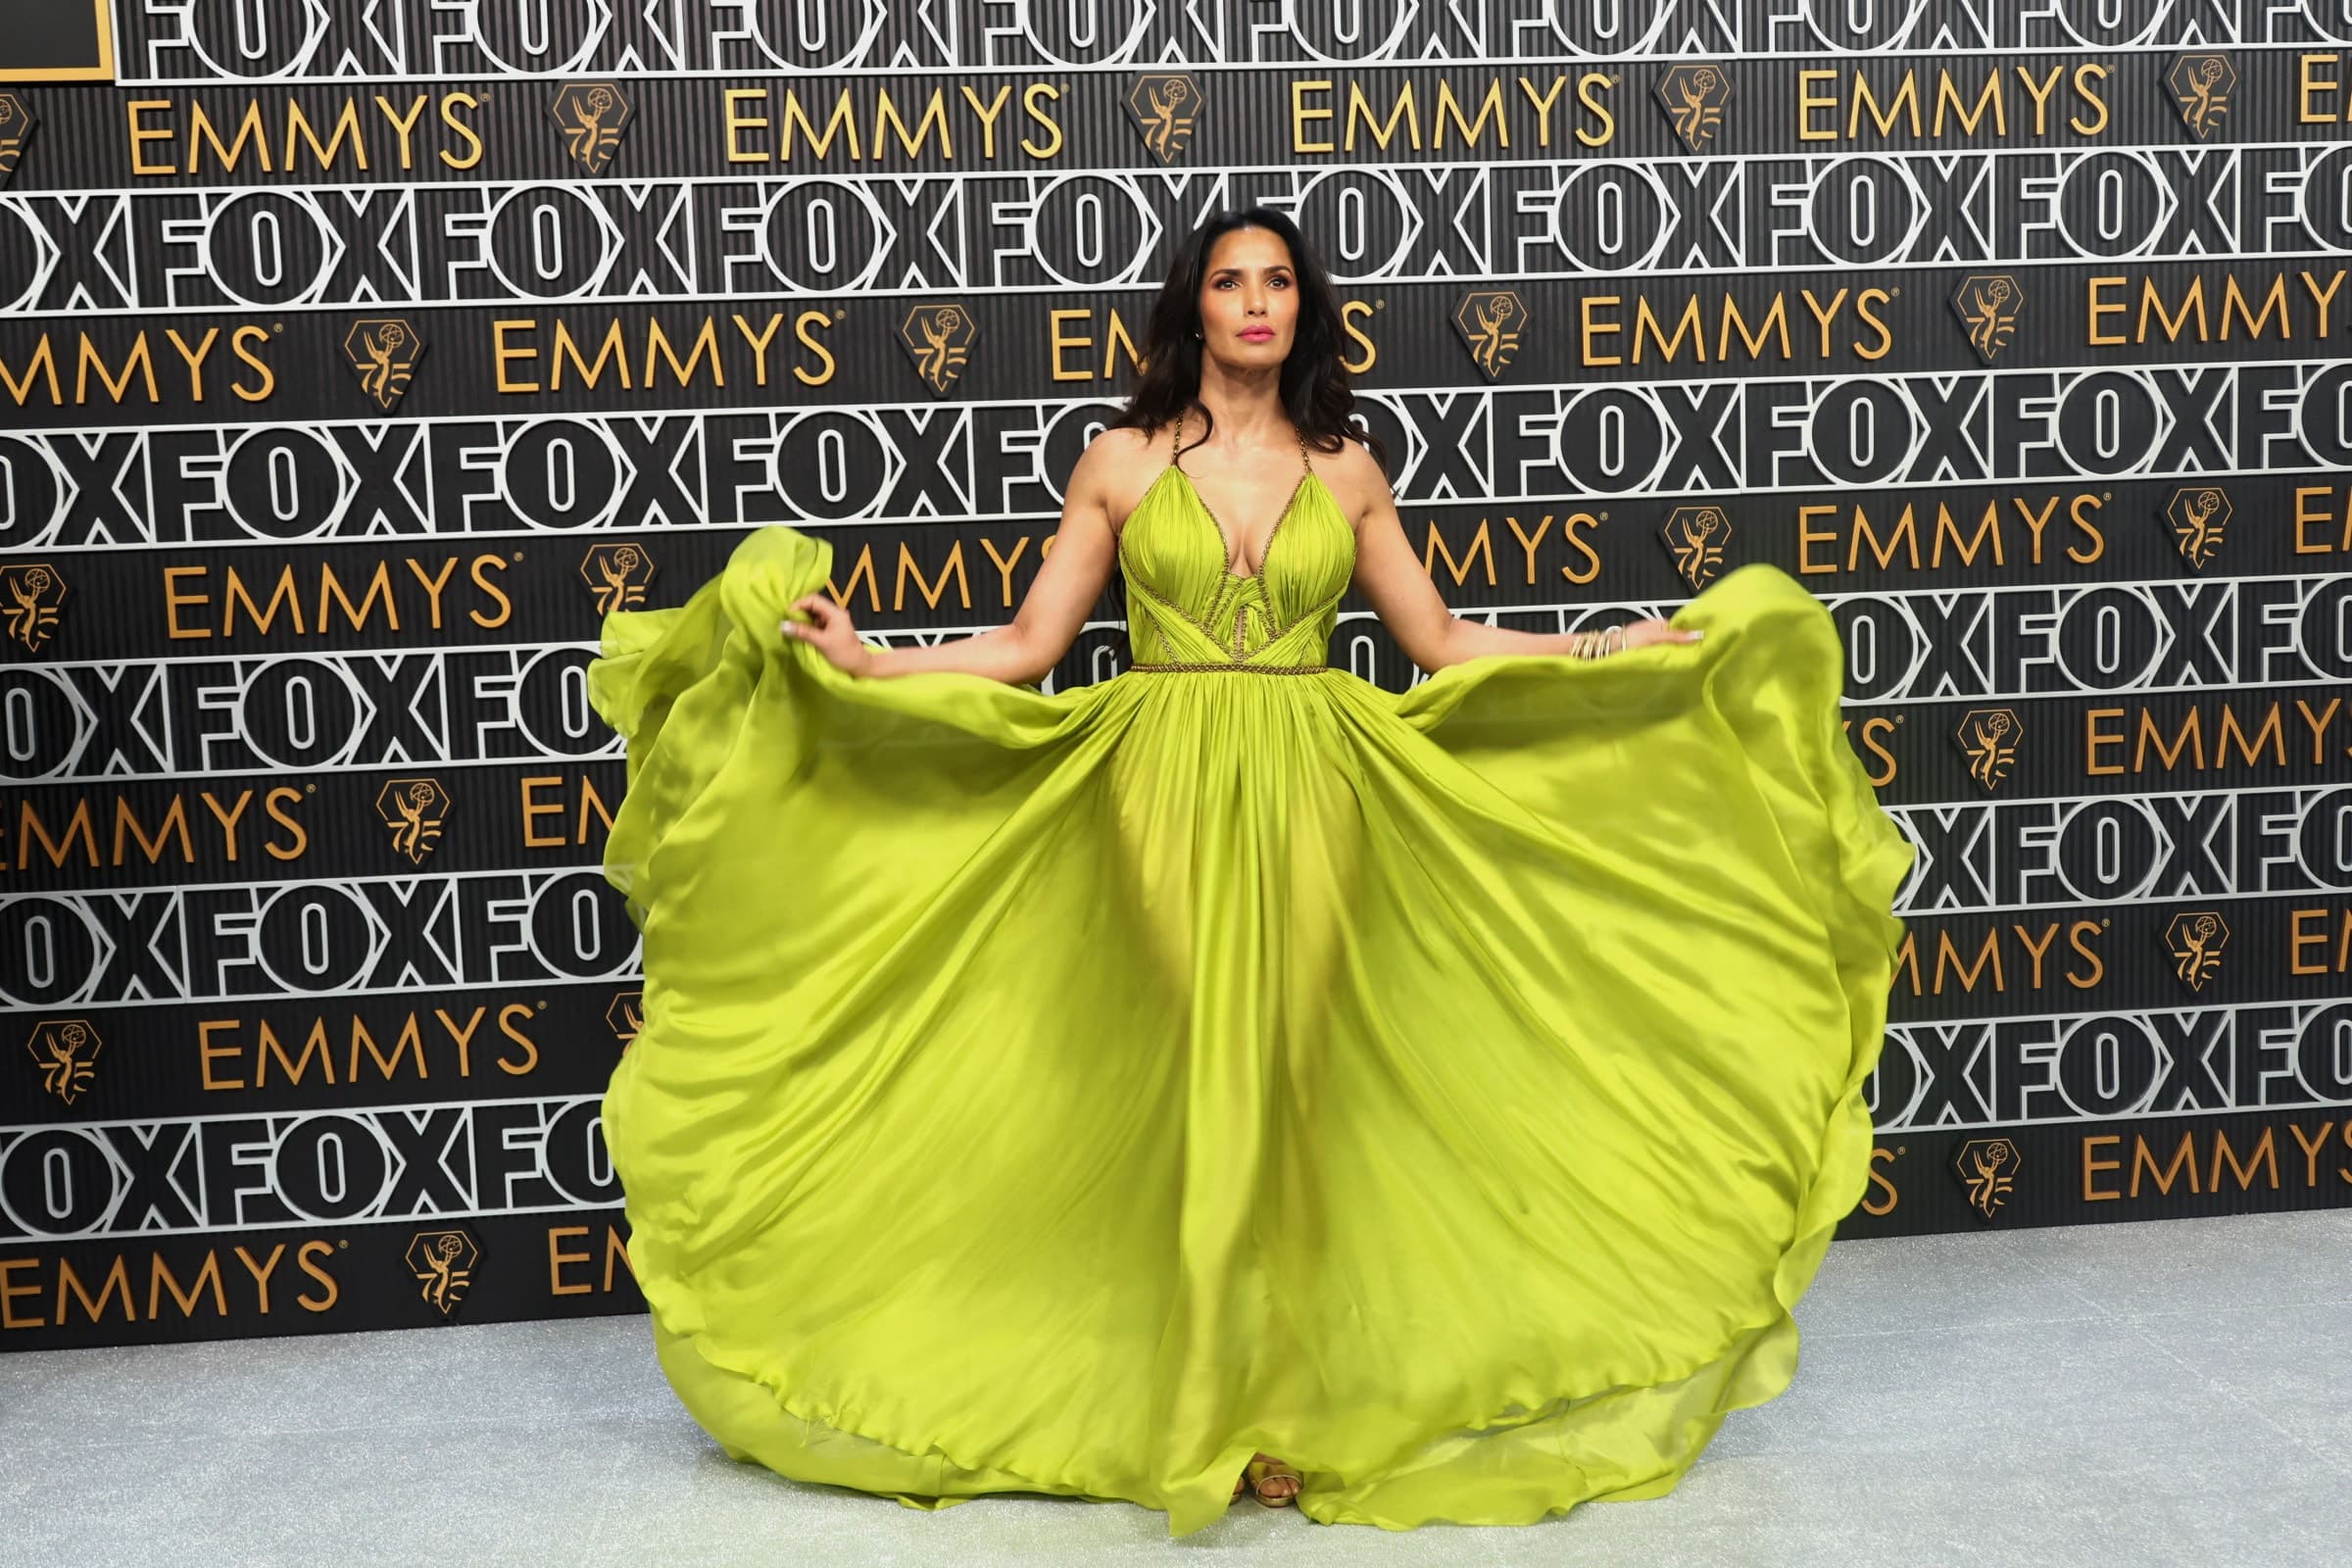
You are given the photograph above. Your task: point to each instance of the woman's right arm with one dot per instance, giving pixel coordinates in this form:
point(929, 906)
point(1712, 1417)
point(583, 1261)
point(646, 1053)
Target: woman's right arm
point(1078, 563)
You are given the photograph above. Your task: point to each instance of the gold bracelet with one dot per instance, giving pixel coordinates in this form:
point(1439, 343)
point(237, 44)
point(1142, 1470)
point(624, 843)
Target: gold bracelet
point(1595, 644)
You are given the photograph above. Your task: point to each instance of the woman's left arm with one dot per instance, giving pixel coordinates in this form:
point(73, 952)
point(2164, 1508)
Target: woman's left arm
point(1397, 587)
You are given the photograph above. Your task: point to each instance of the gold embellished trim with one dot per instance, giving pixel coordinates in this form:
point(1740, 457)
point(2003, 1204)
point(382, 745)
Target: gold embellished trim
point(1246, 669)
point(1164, 602)
point(1306, 472)
point(1275, 632)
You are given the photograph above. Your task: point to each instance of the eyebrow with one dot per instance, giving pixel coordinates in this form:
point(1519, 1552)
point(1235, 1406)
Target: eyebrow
point(1225, 271)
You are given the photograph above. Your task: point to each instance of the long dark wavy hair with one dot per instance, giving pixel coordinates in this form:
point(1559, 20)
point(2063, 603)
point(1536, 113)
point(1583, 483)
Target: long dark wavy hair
point(1315, 393)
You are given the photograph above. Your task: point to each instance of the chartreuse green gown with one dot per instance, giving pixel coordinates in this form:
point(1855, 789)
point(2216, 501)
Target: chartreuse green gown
point(1450, 1093)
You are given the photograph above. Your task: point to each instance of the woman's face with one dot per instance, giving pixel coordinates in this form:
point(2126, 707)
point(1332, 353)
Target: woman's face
point(1249, 300)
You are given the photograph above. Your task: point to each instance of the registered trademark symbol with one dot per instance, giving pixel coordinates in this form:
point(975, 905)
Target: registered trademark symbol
point(1896, 292)
point(2106, 495)
point(1899, 717)
point(343, 1246)
point(277, 327)
point(542, 1006)
point(2105, 923)
point(841, 316)
point(518, 554)
point(1604, 516)
point(1380, 305)
point(1900, 1149)
point(310, 789)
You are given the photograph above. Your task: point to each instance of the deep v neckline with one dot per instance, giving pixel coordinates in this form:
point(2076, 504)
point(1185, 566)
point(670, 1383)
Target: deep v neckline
point(1265, 552)
point(1224, 541)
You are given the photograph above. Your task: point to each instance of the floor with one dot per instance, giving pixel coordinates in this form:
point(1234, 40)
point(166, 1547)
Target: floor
point(2123, 1396)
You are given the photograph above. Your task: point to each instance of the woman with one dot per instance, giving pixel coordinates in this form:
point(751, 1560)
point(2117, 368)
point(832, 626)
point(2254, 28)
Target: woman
point(1427, 1107)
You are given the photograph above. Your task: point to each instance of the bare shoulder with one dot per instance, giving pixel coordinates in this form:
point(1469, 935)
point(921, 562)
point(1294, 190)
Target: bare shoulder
point(1121, 445)
point(1354, 479)
point(1115, 470)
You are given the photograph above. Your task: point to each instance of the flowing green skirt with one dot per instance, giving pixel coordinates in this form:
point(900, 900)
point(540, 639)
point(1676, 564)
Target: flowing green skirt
point(1451, 1092)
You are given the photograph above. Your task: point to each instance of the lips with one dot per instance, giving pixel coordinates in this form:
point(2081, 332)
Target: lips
point(1257, 334)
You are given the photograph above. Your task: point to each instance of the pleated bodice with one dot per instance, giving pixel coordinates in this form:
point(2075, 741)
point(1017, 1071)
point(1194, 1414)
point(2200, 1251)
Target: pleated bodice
point(1188, 608)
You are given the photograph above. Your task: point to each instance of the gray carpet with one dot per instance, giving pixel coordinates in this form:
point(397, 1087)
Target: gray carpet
point(2122, 1395)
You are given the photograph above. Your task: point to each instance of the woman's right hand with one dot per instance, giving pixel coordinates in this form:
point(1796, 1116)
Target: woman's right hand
point(830, 631)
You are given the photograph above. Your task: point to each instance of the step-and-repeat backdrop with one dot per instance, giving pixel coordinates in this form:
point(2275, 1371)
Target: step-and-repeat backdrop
point(358, 355)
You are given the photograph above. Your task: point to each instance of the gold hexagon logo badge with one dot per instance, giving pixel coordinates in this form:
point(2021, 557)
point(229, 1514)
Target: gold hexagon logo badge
point(33, 597)
point(2199, 514)
point(1695, 98)
point(2201, 85)
point(617, 575)
point(66, 1052)
point(1165, 106)
point(938, 339)
point(444, 1265)
point(2195, 940)
point(592, 115)
point(625, 1016)
point(1988, 1168)
point(413, 809)
point(1988, 738)
point(1491, 322)
point(384, 351)
point(16, 129)
point(1988, 305)
point(1696, 536)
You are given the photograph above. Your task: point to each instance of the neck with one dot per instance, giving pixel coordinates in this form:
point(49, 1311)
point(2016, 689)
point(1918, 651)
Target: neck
point(1246, 405)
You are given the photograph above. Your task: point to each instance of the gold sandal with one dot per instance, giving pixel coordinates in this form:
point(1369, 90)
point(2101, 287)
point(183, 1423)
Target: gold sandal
point(1263, 1472)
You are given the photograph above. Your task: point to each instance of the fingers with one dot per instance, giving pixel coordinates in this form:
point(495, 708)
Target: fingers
point(823, 614)
point(1645, 634)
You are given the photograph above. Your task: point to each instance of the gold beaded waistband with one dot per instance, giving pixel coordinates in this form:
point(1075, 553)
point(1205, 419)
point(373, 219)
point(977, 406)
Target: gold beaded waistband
point(1221, 669)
